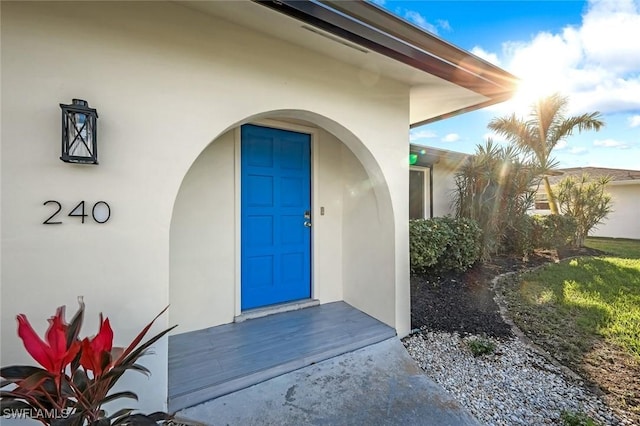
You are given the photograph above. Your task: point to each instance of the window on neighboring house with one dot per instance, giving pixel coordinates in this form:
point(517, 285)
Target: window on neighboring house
point(541, 203)
point(417, 193)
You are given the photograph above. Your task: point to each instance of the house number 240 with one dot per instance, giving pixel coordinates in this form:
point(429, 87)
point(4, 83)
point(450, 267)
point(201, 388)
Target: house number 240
point(101, 212)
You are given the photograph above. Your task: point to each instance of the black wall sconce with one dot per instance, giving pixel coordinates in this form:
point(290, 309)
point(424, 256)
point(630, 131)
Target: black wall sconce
point(79, 135)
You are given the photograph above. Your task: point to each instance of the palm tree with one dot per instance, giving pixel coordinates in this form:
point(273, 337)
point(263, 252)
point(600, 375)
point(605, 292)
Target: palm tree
point(541, 131)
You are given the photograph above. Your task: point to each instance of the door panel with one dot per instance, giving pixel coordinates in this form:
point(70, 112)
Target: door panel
point(275, 194)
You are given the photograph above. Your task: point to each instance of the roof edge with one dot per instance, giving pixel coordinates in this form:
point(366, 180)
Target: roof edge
point(375, 29)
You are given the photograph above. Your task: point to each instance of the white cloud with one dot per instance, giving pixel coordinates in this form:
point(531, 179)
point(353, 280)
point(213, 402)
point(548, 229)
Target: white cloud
point(610, 31)
point(597, 64)
point(562, 144)
point(416, 135)
point(634, 121)
point(451, 137)
point(494, 137)
point(418, 19)
point(578, 150)
point(610, 143)
point(487, 56)
point(444, 24)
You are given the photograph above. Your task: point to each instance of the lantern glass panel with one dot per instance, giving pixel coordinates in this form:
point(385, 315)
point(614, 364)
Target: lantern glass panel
point(81, 142)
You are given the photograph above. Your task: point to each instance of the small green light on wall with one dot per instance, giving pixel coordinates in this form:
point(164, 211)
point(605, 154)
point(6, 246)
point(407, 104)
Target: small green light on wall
point(413, 159)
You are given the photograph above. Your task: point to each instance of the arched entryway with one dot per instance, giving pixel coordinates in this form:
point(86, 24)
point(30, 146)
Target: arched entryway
point(352, 246)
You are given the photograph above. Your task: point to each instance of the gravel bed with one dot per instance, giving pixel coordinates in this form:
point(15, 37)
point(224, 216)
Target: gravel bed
point(513, 386)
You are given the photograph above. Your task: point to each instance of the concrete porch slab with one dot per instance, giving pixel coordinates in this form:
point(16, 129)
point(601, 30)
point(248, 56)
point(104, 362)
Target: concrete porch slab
point(376, 385)
point(206, 364)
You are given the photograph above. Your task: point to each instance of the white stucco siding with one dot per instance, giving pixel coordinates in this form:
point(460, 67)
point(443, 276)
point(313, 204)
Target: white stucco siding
point(167, 81)
point(624, 220)
point(444, 183)
point(203, 241)
point(443, 190)
point(367, 245)
point(328, 181)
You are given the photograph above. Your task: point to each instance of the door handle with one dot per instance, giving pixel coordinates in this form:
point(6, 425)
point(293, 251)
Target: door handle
point(307, 224)
point(307, 217)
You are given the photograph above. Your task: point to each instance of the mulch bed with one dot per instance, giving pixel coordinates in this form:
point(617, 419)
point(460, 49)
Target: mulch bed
point(463, 302)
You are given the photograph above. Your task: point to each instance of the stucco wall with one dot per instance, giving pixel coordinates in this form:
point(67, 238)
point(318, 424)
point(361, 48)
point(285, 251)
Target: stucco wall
point(366, 245)
point(443, 187)
point(203, 241)
point(167, 81)
point(624, 221)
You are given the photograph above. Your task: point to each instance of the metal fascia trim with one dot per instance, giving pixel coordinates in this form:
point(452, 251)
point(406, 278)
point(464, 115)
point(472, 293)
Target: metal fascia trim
point(347, 27)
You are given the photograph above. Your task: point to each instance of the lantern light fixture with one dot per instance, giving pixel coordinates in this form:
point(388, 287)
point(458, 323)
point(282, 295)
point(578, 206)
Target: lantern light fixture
point(79, 133)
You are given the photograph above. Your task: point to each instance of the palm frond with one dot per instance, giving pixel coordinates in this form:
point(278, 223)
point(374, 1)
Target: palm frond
point(581, 123)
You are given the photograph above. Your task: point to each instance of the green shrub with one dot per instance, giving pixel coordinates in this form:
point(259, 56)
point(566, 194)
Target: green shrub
point(570, 418)
point(427, 242)
point(480, 346)
point(494, 188)
point(519, 235)
point(442, 244)
point(553, 231)
point(525, 233)
point(584, 199)
point(464, 247)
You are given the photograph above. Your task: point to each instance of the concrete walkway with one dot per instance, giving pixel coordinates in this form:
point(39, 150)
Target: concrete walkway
point(376, 385)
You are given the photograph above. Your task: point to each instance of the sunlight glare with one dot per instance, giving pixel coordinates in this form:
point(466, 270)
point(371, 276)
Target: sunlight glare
point(535, 82)
point(529, 91)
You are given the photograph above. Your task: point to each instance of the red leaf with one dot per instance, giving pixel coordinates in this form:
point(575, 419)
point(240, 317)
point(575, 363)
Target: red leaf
point(139, 337)
point(57, 334)
point(38, 350)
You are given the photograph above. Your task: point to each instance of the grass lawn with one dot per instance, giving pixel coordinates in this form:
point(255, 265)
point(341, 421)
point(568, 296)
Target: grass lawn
point(618, 247)
point(586, 312)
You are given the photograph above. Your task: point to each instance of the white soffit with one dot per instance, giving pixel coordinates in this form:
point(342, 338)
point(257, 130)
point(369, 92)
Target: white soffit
point(430, 96)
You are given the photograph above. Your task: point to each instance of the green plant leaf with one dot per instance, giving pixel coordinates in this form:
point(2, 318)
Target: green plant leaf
point(13, 404)
point(76, 323)
point(121, 413)
point(160, 415)
point(134, 355)
point(140, 336)
point(35, 380)
point(66, 390)
point(19, 372)
point(117, 395)
point(135, 420)
point(81, 380)
point(140, 368)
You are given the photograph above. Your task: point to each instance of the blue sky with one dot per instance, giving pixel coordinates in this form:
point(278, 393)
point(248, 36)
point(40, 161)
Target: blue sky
point(587, 50)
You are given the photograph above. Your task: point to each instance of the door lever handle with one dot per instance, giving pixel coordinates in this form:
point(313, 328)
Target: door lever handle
point(307, 224)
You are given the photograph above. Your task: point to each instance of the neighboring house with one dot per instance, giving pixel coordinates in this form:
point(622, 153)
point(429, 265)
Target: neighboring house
point(225, 130)
point(432, 181)
point(624, 188)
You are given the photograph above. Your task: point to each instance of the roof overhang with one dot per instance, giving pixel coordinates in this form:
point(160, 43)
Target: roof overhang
point(443, 79)
point(428, 156)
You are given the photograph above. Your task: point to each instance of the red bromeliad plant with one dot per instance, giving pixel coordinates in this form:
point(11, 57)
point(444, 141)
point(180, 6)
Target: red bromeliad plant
point(77, 375)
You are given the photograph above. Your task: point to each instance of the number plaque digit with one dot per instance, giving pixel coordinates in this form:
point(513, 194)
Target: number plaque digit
point(100, 212)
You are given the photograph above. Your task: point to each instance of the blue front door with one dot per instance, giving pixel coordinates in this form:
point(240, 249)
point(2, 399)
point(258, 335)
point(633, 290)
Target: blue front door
point(275, 198)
